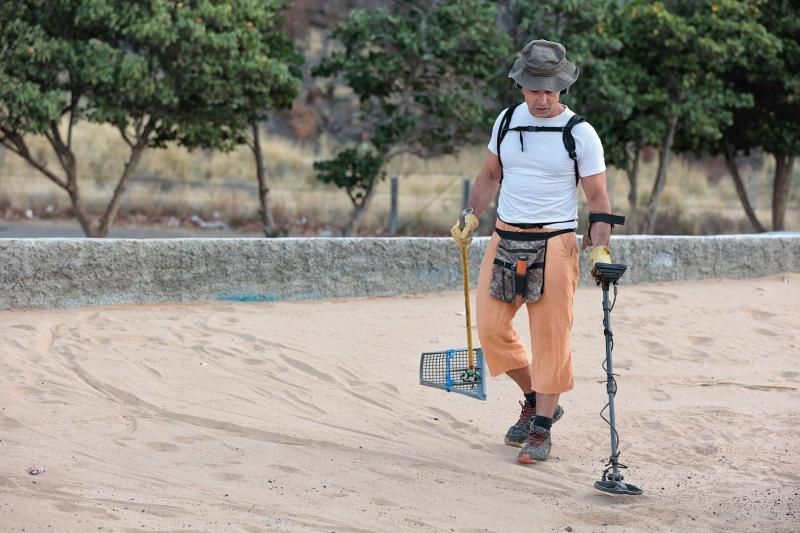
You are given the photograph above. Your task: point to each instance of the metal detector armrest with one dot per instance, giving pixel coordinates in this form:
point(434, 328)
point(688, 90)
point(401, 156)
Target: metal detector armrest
point(608, 272)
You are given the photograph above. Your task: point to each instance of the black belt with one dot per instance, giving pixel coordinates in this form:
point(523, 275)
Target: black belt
point(537, 225)
point(512, 266)
point(517, 236)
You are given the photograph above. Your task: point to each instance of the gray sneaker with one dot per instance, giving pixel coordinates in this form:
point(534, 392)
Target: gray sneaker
point(537, 448)
point(518, 433)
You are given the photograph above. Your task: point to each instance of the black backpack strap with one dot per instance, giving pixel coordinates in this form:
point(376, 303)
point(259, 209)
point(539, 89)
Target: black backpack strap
point(505, 122)
point(569, 142)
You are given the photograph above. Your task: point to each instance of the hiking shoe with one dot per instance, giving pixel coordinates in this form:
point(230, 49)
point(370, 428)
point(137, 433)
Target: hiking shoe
point(537, 447)
point(517, 434)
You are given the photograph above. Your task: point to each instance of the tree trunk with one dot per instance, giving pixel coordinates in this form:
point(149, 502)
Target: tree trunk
point(632, 171)
point(77, 203)
point(71, 169)
point(780, 190)
point(130, 166)
point(733, 168)
point(66, 158)
point(661, 176)
point(352, 227)
point(267, 222)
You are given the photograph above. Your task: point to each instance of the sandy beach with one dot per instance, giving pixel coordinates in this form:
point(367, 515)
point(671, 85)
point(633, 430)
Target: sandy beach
point(308, 416)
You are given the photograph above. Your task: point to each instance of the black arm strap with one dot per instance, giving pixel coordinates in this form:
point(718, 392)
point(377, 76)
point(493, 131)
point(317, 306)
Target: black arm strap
point(606, 217)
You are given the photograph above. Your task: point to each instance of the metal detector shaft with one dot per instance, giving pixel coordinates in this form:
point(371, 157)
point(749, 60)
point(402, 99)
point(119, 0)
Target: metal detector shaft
point(610, 385)
point(612, 482)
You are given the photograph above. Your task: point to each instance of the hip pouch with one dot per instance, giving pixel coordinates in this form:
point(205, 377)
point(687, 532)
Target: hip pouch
point(518, 267)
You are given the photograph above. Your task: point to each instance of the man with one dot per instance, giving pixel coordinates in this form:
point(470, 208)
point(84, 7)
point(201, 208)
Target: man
point(532, 255)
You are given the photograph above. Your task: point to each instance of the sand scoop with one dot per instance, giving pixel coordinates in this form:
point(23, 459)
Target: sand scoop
point(456, 370)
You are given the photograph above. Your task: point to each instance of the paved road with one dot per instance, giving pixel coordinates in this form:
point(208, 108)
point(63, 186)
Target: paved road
point(38, 229)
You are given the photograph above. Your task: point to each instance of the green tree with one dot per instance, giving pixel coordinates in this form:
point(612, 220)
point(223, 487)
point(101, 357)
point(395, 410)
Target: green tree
point(682, 52)
point(655, 74)
point(196, 72)
point(422, 72)
point(282, 49)
point(355, 170)
point(772, 124)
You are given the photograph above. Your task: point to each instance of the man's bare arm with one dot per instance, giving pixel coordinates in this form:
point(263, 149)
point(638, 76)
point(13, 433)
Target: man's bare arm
point(597, 197)
point(486, 183)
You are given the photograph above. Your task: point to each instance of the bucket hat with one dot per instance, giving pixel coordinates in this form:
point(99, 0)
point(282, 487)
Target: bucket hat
point(543, 66)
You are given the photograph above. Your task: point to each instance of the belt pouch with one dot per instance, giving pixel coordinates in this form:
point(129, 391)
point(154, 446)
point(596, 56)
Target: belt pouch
point(518, 269)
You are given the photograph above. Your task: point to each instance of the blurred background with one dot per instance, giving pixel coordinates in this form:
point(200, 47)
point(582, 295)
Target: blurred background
point(358, 117)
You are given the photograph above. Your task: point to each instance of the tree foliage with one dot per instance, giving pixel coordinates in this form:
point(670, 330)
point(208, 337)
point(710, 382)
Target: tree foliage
point(195, 72)
point(685, 50)
point(772, 123)
point(655, 73)
point(354, 170)
point(422, 71)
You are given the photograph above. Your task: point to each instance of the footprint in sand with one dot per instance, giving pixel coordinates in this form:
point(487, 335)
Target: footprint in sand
point(660, 395)
point(700, 341)
point(453, 422)
point(228, 476)
point(762, 315)
point(191, 439)
point(570, 469)
point(162, 447)
point(254, 362)
point(308, 369)
point(701, 356)
point(767, 332)
point(383, 502)
point(660, 297)
point(656, 348)
point(708, 449)
point(390, 387)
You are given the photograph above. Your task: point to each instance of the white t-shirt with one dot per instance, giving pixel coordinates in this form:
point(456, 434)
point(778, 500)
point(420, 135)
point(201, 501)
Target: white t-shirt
point(539, 183)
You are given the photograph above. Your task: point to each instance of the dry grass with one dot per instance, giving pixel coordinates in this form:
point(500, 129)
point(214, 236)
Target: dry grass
point(175, 184)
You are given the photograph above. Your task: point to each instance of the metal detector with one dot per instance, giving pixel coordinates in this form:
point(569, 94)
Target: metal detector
point(607, 274)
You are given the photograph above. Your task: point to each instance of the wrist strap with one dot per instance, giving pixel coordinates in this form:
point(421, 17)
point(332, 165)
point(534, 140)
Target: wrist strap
point(606, 217)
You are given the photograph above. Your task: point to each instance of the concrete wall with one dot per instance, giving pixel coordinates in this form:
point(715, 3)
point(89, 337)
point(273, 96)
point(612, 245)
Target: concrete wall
point(60, 273)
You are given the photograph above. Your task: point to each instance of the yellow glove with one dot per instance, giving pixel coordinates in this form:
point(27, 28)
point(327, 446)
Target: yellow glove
point(600, 254)
point(463, 235)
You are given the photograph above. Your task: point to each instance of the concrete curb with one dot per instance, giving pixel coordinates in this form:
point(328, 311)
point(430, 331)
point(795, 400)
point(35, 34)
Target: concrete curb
point(63, 273)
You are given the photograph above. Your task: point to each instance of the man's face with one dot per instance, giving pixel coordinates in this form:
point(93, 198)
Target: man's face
point(542, 104)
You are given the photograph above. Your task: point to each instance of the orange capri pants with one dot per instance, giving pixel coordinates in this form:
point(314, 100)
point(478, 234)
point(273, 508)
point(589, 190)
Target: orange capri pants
point(550, 319)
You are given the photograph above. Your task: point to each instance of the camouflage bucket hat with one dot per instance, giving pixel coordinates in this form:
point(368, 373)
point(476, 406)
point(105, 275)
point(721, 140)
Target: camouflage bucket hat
point(543, 66)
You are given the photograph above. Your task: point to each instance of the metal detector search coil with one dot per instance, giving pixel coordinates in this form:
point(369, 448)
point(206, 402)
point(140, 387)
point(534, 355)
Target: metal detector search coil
point(450, 370)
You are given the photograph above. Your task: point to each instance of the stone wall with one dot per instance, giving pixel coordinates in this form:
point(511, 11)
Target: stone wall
point(62, 273)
